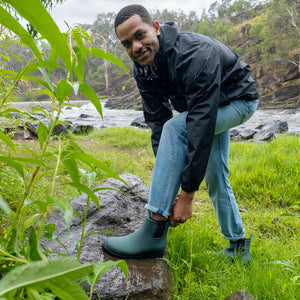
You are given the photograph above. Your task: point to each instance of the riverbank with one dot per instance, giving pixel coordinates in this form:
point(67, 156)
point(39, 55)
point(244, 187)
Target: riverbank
point(124, 117)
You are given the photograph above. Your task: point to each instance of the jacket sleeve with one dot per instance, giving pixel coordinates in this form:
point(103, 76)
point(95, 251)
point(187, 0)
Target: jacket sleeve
point(157, 111)
point(201, 79)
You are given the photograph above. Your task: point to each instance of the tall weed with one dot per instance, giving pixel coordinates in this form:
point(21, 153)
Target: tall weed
point(26, 271)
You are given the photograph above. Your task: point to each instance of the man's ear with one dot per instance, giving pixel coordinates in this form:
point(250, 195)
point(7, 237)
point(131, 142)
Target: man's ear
point(156, 27)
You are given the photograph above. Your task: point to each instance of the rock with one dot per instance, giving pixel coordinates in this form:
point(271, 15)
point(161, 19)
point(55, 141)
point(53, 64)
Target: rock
point(129, 101)
point(240, 295)
point(262, 133)
point(58, 129)
point(32, 128)
point(263, 136)
point(243, 33)
point(288, 69)
point(61, 129)
point(84, 116)
point(82, 129)
point(121, 213)
point(275, 126)
point(247, 133)
point(235, 134)
point(139, 122)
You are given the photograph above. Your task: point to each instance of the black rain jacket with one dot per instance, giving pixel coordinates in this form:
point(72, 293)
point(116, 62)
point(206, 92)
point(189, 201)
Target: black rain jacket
point(196, 74)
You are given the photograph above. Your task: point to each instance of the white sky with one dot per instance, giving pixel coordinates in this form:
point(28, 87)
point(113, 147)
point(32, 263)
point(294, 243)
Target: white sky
point(85, 11)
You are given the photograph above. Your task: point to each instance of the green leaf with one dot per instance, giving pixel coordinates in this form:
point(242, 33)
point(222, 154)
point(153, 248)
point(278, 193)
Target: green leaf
point(72, 168)
point(75, 86)
point(47, 78)
point(84, 189)
point(43, 272)
point(10, 23)
point(13, 245)
point(42, 133)
point(67, 211)
point(7, 140)
point(49, 230)
point(102, 267)
point(79, 65)
point(17, 57)
point(96, 232)
point(85, 89)
point(39, 110)
point(89, 176)
point(30, 161)
point(33, 67)
point(63, 90)
point(37, 15)
point(5, 57)
point(38, 80)
point(91, 161)
point(11, 162)
point(108, 56)
point(67, 290)
point(53, 56)
point(33, 294)
point(77, 35)
point(36, 253)
point(30, 221)
point(6, 209)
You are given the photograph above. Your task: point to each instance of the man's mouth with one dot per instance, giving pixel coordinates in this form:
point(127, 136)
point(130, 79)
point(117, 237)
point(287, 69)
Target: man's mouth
point(141, 54)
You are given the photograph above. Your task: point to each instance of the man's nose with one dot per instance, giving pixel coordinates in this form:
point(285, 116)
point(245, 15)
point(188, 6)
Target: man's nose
point(136, 46)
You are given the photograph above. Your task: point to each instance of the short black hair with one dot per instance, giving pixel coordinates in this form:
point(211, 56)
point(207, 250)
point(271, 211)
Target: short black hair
point(134, 9)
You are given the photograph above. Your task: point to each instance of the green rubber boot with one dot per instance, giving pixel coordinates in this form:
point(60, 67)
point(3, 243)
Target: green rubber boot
point(149, 241)
point(239, 249)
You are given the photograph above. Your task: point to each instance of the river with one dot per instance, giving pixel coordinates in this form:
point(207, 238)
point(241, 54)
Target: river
point(124, 117)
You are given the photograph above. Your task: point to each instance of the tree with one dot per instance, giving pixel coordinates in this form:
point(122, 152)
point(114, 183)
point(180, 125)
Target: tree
point(183, 21)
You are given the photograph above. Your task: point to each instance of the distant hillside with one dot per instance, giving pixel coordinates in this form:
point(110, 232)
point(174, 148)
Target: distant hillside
point(274, 61)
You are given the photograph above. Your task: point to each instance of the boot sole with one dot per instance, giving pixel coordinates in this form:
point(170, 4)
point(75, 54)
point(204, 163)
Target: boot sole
point(153, 254)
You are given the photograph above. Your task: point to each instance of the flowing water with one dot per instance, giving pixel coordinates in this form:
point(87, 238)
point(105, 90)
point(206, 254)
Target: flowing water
point(124, 117)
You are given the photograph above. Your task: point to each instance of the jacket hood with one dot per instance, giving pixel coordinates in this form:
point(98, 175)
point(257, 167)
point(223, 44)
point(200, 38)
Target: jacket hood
point(168, 36)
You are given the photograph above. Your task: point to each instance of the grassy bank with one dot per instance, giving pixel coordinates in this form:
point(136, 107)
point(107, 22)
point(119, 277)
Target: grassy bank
point(266, 181)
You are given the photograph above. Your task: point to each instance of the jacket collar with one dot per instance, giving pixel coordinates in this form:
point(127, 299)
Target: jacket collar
point(168, 36)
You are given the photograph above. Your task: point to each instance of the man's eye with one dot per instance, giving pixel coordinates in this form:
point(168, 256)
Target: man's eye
point(140, 35)
point(126, 44)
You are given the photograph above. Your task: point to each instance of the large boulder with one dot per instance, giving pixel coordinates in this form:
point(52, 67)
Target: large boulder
point(122, 212)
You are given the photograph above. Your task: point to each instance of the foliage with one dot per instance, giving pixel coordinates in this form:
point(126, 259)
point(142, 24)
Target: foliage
point(219, 30)
point(279, 33)
point(25, 218)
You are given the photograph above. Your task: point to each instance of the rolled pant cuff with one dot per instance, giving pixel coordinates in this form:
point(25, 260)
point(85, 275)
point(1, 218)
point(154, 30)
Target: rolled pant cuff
point(157, 210)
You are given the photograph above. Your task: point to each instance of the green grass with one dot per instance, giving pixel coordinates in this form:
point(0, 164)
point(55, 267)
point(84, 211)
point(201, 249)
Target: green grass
point(265, 179)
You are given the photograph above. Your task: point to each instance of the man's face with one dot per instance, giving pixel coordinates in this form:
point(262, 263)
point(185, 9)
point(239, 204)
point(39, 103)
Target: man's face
point(139, 39)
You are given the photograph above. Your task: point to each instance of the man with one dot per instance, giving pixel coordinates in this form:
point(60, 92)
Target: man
point(212, 90)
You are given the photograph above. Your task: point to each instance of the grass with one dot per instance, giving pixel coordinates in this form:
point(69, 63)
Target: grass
point(265, 178)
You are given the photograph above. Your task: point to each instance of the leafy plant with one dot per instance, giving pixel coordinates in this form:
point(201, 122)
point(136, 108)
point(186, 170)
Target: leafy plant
point(20, 251)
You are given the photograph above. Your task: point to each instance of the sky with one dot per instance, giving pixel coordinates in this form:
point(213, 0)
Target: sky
point(85, 11)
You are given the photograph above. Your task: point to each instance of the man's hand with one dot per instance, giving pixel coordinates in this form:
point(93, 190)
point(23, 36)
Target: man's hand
point(182, 208)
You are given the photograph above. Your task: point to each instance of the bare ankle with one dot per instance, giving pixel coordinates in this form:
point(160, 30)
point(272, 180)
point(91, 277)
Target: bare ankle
point(157, 217)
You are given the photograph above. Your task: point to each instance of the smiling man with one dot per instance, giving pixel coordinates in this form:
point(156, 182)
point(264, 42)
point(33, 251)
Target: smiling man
point(211, 89)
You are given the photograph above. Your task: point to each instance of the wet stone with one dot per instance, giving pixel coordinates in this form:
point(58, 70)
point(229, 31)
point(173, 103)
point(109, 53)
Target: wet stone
point(121, 213)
